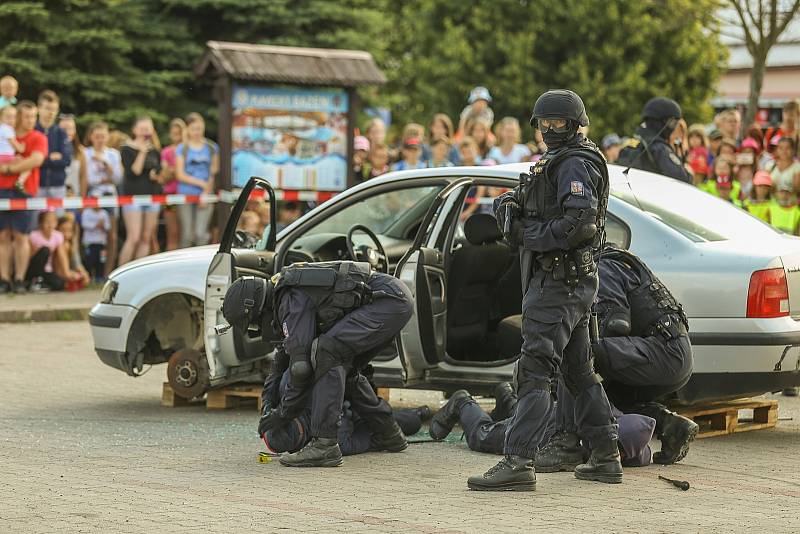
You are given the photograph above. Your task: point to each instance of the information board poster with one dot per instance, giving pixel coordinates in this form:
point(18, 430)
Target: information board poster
point(294, 137)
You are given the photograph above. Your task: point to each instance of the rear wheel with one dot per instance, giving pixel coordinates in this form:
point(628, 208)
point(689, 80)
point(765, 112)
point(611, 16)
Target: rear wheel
point(187, 372)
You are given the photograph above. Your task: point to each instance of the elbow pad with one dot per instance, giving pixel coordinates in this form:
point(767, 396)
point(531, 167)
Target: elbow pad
point(580, 226)
point(618, 324)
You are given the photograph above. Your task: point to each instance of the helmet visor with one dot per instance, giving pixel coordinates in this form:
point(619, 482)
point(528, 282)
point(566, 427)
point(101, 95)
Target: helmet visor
point(553, 125)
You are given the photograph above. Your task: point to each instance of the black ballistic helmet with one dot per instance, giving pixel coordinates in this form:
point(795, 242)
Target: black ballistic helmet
point(661, 108)
point(560, 104)
point(245, 301)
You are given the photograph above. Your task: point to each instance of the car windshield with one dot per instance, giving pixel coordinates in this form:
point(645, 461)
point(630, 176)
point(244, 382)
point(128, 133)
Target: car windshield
point(390, 213)
point(696, 214)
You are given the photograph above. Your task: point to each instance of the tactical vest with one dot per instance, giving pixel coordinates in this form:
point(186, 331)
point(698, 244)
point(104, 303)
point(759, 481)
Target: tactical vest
point(654, 310)
point(335, 287)
point(636, 154)
point(540, 189)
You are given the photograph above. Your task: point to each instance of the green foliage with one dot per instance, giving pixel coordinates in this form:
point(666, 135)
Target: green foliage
point(615, 54)
point(116, 59)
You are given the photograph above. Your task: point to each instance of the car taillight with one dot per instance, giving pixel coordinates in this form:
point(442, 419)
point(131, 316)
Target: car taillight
point(768, 295)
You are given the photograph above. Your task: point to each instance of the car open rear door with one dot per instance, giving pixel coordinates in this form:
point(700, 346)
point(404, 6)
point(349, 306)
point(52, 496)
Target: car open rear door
point(422, 268)
point(239, 254)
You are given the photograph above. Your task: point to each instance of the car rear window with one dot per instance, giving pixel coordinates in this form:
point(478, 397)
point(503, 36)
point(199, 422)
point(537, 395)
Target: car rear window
point(693, 213)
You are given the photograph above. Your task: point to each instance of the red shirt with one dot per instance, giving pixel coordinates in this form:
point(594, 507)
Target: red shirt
point(34, 142)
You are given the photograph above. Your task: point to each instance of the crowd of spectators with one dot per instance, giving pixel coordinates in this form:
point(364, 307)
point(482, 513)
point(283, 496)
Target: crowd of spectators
point(43, 155)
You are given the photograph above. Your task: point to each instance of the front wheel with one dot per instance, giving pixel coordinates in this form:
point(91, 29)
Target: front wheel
point(188, 374)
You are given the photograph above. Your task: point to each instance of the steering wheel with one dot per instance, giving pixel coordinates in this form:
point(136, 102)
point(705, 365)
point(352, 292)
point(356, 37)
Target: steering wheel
point(375, 256)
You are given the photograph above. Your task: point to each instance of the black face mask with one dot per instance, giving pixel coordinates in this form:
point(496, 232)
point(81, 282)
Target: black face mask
point(555, 139)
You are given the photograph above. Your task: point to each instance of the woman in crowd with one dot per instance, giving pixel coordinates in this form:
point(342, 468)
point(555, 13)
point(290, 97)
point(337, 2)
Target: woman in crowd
point(509, 149)
point(72, 251)
point(785, 170)
point(103, 174)
point(76, 171)
point(375, 132)
point(177, 129)
point(141, 163)
point(440, 127)
point(196, 165)
point(746, 165)
point(480, 131)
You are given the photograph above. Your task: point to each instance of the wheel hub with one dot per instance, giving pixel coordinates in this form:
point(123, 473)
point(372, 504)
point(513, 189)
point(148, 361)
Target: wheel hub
point(186, 374)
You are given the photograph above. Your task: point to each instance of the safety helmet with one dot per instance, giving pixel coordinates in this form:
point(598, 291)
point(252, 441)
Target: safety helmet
point(560, 104)
point(246, 300)
point(661, 108)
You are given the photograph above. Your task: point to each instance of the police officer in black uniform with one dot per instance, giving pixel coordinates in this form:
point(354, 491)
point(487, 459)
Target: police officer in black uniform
point(333, 317)
point(560, 214)
point(649, 148)
point(643, 355)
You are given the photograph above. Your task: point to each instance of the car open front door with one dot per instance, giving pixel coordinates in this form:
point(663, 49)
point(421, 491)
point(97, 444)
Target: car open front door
point(240, 254)
point(422, 341)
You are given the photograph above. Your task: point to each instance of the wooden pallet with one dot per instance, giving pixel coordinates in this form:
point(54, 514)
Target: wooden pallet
point(216, 399)
point(723, 418)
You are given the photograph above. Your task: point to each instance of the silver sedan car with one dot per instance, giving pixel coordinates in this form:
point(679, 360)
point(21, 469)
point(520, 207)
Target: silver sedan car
point(738, 279)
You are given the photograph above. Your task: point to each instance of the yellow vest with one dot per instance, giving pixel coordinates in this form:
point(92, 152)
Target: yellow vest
point(759, 209)
point(736, 188)
point(785, 218)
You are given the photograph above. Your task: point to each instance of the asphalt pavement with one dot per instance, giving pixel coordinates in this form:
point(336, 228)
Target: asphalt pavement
point(85, 448)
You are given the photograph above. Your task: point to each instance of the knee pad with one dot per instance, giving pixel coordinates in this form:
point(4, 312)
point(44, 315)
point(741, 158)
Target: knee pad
point(525, 381)
point(324, 356)
point(577, 384)
point(301, 373)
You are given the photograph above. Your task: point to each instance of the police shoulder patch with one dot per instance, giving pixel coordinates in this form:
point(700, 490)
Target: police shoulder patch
point(576, 188)
point(674, 158)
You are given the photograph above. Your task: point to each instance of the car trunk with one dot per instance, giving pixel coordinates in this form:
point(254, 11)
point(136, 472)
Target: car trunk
point(791, 265)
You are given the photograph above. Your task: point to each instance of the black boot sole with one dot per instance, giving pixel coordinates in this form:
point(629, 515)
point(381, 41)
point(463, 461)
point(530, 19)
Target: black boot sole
point(688, 438)
point(614, 478)
point(557, 468)
point(508, 486)
point(396, 448)
point(333, 462)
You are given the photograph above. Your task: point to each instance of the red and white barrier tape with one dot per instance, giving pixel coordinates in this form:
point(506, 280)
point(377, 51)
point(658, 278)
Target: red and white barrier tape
point(41, 204)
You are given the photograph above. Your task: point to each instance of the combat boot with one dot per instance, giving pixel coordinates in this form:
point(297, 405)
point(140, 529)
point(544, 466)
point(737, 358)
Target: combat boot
point(603, 465)
point(390, 439)
point(562, 453)
point(319, 452)
point(446, 418)
point(424, 413)
point(505, 399)
point(676, 433)
point(512, 473)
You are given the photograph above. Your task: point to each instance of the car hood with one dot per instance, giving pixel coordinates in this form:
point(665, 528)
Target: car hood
point(199, 254)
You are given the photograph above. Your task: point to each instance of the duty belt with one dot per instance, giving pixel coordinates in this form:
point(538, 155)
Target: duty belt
point(570, 265)
point(669, 327)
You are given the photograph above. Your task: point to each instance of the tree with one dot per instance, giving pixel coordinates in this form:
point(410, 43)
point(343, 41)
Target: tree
point(616, 55)
point(762, 22)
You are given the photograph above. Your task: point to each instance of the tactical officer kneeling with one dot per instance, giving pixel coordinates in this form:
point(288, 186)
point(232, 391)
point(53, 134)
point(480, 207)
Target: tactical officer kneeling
point(333, 317)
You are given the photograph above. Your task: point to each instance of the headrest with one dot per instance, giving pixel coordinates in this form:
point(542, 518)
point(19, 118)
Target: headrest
point(481, 228)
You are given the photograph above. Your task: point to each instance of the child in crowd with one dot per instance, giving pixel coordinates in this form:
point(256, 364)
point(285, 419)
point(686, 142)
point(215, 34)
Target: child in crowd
point(76, 276)
point(9, 146)
point(8, 91)
point(759, 202)
point(250, 222)
point(714, 142)
point(722, 183)
point(440, 126)
point(412, 152)
point(509, 149)
point(727, 147)
point(784, 212)
point(481, 132)
point(785, 170)
point(468, 151)
point(440, 148)
point(46, 252)
point(699, 172)
point(96, 223)
point(746, 165)
point(377, 163)
point(360, 152)
point(698, 145)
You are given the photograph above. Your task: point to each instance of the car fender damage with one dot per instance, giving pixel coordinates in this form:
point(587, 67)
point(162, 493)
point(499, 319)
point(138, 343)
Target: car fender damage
point(163, 326)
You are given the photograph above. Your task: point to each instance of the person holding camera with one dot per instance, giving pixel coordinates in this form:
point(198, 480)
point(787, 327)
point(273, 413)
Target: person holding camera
point(659, 142)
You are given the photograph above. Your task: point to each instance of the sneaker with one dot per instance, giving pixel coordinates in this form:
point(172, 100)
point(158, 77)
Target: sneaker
point(512, 473)
point(319, 452)
point(5, 287)
point(19, 287)
point(38, 286)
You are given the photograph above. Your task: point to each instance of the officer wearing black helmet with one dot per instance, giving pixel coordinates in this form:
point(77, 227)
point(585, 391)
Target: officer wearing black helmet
point(557, 218)
point(333, 318)
point(650, 148)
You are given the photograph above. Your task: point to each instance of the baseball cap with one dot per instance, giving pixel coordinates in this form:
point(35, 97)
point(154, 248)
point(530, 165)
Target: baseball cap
point(715, 134)
point(749, 142)
point(479, 93)
point(762, 178)
point(610, 140)
point(361, 143)
point(412, 142)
